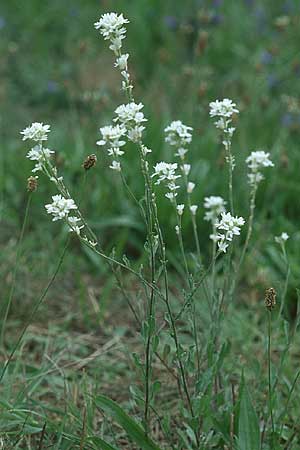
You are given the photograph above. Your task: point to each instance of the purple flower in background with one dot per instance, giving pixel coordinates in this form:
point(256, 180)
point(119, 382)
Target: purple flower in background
point(297, 69)
point(74, 12)
point(272, 81)
point(216, 19)
point(2, 22)
point(52, 86)
point(287, 119)
point(217, 3)
point(266, 57)
point(290, 120)
point(249, 3)
point(171, 22)
point(261, 19)
point(288, 6)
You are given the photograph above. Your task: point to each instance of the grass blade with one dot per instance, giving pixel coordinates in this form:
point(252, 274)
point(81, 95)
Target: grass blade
point(132, 428)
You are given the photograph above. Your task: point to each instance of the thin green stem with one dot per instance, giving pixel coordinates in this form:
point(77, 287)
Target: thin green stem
point(270, 381)
point(286, 282)
point(171, 317)
point(213, 270)
point(250, 226)
point(288, 399)
point(189, 282)
point(35, 308)
point(16, 267)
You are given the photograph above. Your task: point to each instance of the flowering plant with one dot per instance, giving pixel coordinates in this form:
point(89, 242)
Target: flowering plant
point(204, 278)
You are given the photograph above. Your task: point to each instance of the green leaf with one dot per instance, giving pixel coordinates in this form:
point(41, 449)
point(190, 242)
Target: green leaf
point(249, 434)
point(132, 428)
point(101, 444)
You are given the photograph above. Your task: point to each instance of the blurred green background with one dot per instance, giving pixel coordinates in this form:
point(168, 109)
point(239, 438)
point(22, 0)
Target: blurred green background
point(55, 68)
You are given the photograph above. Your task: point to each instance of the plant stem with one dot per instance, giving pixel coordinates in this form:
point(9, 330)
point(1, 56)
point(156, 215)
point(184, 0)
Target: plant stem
point(16, 266)
point(35, 308)
point(289, 398)
point(270, 381)
point(250, 226)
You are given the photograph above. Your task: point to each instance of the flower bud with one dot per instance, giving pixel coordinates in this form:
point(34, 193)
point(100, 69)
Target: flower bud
point(89, 162)
point(32, 184)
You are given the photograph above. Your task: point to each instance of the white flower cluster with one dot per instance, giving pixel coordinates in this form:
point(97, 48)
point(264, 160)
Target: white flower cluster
point(131, 117)
point(40, 155)
point(112, 136)
point(128, 126)
point(179, 135)
point(111, 26)
point(166, 173)
point(60, 209)
point(215, 205)
point(36, 132)
point(224, 110)
point(282, 238)
point(231, 226)
point(256, 161)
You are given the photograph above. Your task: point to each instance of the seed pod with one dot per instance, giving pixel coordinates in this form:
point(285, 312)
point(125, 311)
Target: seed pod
point(89, 162)
point(32, 184)
point(270, 298)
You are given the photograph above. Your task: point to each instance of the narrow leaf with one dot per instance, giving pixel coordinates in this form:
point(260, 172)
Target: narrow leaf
point(249, 434)
point(101, 444)
point(132, 428)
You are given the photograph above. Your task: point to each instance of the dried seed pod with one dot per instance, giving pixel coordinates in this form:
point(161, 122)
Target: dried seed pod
point(32, 184)
point(270, 298)
point(89, 162)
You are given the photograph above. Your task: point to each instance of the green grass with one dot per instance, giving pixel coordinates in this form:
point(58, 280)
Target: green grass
point(55, 68)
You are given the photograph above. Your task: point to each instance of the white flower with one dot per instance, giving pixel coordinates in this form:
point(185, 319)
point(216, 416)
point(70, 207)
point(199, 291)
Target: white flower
point(193, 209)
point(121, 62)
point(255, 178)
point(112, 135)
point(111, 27)
point(258, 159)
point(221, 124)
point(145, 150)
point(38, 153)
point(180, 209)
point(177, 229)
point(135, 133)
point(60, 207)
point(171, 195)
point(222, 244)
point(130, 113)
point(181, 152)
point(115, 165)
point(214, 237)
point(37, 132)
point(186, 169)
point(230, 224)
point(115, 151)
point(178, 134)
point(73, 220)
point(165, 172)
point(224, 108)
point(190, 187)
point(282, 238)
point(215, 206)
point(73, 224)
point(232, 227)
